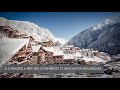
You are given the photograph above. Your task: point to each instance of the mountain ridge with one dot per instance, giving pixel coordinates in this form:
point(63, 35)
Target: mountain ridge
point(30, 28)
point(85, 38)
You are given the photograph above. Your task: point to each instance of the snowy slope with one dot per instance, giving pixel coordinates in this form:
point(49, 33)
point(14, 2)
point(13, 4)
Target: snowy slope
point(29, 28)
point(106, 23)
point(60, 40)
point(109, 41)
point(92, 34)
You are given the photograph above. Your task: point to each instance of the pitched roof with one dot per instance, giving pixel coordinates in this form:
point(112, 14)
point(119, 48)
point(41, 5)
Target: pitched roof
point(96, 59)
point(77, 54)
point(68, 56)
point(58, 53)
point(50, 49)
point(9, 47)
point(36, 48)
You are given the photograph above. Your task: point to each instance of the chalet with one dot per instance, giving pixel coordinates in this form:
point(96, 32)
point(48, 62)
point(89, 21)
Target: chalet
point(93, 60)
point(68, 59)
point(16, 34)
point(35, 53)
point(96, 53)
point(78, 55)
point(116, 58)
point(91, 63)
point(104, 56)
point(5, 30)
point(19, 34)
point(85, 62)
point(67, 50)
point(76, 49)
point(69, 46)
point(42, 55)
point(86, 52)
point(9, 32)
point(82, 62)
point(58, 57)
point(46, 55)
point(70, 49)
point(14, 51)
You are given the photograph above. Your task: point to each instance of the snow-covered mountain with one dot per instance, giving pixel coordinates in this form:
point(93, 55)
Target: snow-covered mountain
point(97, 36)
point(106, 23)
point(61, 40)
point(30, 29)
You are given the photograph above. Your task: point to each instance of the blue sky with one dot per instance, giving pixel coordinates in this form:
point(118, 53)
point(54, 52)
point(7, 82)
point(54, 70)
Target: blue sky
point(61, 24)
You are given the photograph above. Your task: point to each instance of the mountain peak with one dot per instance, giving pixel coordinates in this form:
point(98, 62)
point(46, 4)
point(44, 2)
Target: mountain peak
point(31, 29)
point(27, 27)
point(110, 21)
point(99, 36)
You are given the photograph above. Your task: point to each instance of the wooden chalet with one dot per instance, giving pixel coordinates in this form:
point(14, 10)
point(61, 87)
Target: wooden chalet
point(9, 32)
point(68, 59)
point(35, 53)
point(5, 30)
point(45, 55)
point(42, 55)
point(15, 51)
point(58, 57)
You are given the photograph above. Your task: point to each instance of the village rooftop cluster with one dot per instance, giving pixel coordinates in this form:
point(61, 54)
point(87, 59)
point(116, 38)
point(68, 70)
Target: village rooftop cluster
point(18, 47)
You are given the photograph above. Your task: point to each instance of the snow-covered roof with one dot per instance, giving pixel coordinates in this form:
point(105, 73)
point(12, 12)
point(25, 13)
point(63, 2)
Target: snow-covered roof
point(58, 53)
point(116, 57)
point(86, 49)
point(88, 59)
point(96, 59)
point(77, 47)
point(36, 48)
point(95, 51)
point(69, 46)
point(37, 38)
point(77, 54)
point(47, 40)
point(80, 50)
point(50, 49)
point(68, 56)
point(9, 47)
point(65, 47)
